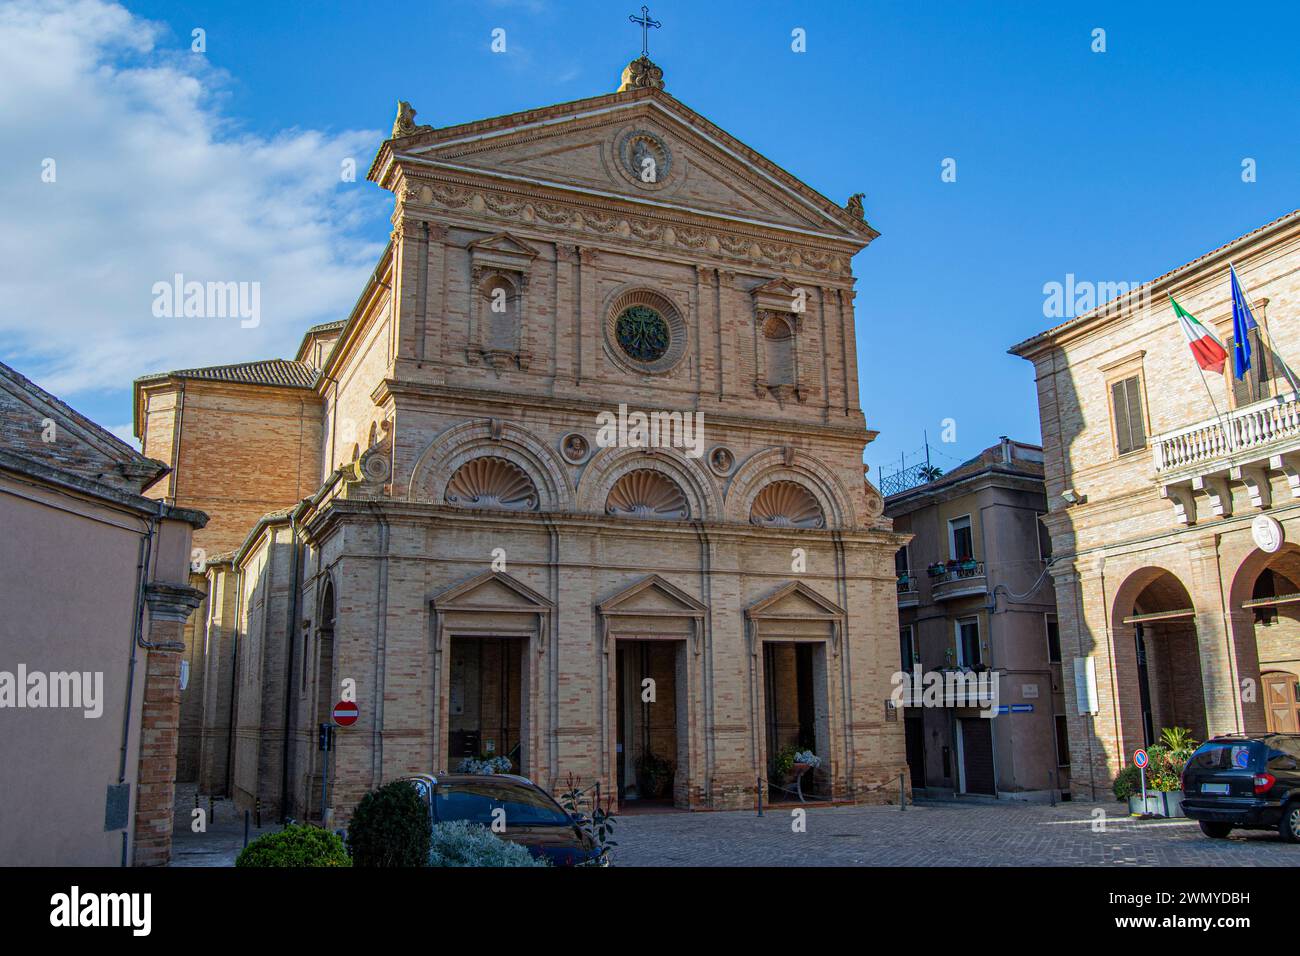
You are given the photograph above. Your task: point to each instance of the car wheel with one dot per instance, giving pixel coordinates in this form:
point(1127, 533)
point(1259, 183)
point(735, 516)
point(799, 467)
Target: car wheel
point(1289, 825)
point(1218, 831)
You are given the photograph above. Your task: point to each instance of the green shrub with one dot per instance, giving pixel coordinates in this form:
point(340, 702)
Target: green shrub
point(295, 846)
point(460, 843)
point(1127, 783)
point(390, 827)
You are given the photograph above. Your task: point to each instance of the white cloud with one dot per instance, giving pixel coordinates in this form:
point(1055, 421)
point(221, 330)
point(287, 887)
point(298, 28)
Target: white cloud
point(153, 180)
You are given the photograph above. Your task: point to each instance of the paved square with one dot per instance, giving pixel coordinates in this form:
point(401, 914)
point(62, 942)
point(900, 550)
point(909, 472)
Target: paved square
point(937, 834)
point(933, 833)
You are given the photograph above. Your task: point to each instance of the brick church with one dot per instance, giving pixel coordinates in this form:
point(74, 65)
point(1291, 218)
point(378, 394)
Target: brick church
point(427, 510)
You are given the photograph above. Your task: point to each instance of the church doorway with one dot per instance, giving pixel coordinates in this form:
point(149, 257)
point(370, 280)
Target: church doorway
point(650, 745)
point(487, 701)
point(791, 688)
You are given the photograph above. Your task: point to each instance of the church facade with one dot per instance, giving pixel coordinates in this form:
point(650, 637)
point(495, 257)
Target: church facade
point(577, 483)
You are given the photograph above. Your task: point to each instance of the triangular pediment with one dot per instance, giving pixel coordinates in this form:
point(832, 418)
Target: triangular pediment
point(491, 591)
point(796, 601)
point(653, 596)
point(504, 244)
point(589, 145)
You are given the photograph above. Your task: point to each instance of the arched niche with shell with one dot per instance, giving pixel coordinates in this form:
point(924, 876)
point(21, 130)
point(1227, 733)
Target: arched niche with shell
point(786, 504)
point(645, 493)
point(492, 483)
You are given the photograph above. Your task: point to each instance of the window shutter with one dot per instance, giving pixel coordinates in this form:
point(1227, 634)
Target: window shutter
point(1137, 430)
point(1242, 390)
point(1126, 403)
point(1119, 406)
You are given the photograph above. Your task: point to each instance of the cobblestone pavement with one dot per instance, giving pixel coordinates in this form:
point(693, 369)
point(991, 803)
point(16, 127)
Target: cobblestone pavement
point(936, 834)
point(933, 833)
point(222, 841)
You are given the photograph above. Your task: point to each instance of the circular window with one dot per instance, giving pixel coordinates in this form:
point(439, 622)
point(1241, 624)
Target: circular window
point(642, 333)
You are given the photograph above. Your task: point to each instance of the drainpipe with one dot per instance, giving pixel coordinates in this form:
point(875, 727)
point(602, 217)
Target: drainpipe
point(291, 636)
point(144, 554)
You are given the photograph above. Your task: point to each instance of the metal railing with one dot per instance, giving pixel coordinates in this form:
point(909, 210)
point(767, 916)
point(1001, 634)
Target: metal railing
point(955, 571)
point(1251, 426)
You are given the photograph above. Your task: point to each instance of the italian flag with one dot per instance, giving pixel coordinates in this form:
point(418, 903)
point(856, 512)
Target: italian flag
point(1206, 347)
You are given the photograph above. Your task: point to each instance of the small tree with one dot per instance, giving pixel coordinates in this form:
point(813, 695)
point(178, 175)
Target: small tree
point(295, 846)
point(390, 827)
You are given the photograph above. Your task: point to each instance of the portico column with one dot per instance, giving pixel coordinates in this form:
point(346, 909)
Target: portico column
point(1219, 678)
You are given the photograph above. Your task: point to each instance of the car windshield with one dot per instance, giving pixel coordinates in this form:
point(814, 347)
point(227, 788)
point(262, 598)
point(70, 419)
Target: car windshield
point(1226, 755)
point(476, 801)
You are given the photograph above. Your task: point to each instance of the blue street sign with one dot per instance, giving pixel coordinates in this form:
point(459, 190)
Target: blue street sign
point(1022, 708)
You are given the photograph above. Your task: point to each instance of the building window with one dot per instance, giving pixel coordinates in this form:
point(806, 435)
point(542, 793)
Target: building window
point(1053, 639)
point(1062, 742)
point(961, 546)
point(901, 562)
point(1044, 539)
point(907, 648)
point(968, 642)
point(1126, 411)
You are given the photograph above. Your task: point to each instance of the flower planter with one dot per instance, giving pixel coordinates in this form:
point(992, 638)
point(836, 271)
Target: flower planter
point(1158, 804)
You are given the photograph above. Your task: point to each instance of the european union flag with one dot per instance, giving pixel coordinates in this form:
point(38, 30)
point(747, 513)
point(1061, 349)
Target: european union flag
point(1242, 324)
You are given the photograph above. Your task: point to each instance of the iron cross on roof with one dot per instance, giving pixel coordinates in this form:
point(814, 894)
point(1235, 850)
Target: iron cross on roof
point(646, 24)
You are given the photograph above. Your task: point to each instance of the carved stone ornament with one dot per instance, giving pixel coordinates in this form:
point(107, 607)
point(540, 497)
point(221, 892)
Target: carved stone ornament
point(647, 494)
point(640, 74)
point(722, 461)
point(404, 125)
point(786, 504)
point(494, 483)
point(854, 206)
point(575, 448)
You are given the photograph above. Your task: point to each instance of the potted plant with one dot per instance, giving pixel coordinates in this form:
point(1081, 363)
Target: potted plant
point(654, 775)
point(805, 760)
point(935, 570)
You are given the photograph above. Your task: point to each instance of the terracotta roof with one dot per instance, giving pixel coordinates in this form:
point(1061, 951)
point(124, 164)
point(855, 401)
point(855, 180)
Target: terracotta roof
point(1146, 286)
point(281, 373)
point(326, 327)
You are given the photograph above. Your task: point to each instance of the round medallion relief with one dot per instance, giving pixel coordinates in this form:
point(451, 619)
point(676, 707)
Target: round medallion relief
point(645, 156)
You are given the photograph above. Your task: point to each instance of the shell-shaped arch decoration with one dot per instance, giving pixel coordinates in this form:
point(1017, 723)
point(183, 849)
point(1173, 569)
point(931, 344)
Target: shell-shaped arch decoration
point(786, 504)
point(491, 482)
point(646, 493)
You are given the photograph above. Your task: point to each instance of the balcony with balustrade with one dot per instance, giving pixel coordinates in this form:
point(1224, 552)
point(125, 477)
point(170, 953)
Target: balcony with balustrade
point(1245, 447)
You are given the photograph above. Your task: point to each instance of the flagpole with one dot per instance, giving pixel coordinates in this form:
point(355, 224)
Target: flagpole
point(1223, 420)
point(1268, 339)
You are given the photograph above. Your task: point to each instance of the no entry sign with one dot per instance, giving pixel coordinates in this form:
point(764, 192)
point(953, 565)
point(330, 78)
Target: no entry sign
point(345, 713)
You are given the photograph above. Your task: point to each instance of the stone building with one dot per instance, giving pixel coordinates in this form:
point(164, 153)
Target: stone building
point(593, 420)
point(95, 596)
point(974, 597)
point(1173, 513)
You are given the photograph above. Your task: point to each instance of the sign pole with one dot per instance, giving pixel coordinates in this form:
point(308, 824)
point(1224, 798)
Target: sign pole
point(325, 776)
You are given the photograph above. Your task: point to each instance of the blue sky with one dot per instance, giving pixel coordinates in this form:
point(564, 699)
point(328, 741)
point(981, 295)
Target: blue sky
point(1113, 166)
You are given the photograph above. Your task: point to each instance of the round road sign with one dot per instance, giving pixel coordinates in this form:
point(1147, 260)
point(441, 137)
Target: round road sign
point(345, 713)
point(1140, 758)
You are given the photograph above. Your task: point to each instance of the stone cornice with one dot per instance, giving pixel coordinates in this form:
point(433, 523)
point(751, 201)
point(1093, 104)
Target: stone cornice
point(478, 398)
point(556, 216)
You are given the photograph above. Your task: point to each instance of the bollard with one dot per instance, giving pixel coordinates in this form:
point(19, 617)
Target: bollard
point(758, 793)
point(245, 828)
point(902, 794)
point(1051, 789)
point(212, 813)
